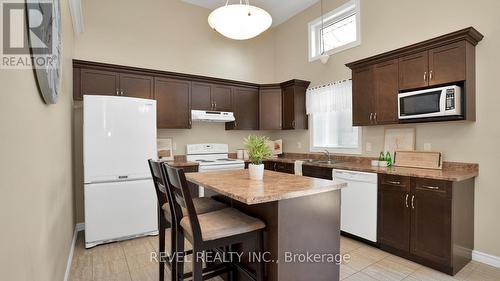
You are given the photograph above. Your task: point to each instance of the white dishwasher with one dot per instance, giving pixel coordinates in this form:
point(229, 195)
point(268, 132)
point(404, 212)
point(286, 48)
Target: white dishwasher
point(359, 203)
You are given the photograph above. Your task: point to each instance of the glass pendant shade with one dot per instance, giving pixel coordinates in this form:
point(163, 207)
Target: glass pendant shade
point(240, 21)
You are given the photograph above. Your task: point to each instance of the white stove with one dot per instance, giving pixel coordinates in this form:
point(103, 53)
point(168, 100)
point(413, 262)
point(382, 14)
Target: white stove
point(212, 157)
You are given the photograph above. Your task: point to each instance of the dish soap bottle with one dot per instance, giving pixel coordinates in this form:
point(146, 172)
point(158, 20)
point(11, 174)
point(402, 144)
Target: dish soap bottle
point(381, 157)
point(388, 158)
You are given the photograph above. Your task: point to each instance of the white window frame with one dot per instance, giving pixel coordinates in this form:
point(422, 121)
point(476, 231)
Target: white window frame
point(334, 16)
point(338, 150)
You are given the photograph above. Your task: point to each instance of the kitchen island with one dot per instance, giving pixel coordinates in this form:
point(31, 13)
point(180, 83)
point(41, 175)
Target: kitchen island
point(302, 216)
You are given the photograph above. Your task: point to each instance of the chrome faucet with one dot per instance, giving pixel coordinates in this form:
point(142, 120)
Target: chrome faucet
point(327, 153)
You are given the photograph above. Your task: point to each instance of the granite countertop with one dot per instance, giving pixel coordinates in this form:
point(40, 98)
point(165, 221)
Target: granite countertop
point(451, 171)
point(276, 186)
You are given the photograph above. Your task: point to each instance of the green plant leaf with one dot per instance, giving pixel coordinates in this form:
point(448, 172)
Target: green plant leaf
point(257, 147)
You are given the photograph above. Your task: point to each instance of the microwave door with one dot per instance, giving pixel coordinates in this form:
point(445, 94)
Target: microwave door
point(421, 105)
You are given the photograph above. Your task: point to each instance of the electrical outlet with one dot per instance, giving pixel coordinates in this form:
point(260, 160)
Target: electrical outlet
point(368, 146)
point(299, 144)
point(174, 146)
point(427, 146)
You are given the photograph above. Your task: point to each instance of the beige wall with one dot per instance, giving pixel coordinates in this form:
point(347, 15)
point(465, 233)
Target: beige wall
point(169, 35)
point(36, 191)
point(390, 24)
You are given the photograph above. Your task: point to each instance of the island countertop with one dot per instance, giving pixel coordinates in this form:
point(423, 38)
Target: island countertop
point(275, 186)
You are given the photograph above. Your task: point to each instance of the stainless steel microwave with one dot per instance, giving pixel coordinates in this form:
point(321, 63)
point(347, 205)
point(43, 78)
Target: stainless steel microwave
point(428, 103)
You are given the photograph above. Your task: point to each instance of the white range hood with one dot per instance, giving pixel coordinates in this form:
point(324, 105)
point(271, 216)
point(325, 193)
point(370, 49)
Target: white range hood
point(212, 116)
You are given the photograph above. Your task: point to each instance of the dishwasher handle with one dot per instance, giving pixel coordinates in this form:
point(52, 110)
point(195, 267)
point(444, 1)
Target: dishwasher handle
point(355, 176)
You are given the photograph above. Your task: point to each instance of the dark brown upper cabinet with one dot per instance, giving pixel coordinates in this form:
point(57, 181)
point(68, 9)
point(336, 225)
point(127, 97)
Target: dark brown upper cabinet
point(386, 92)
point(362, 96)
point(207, 96)
point(448, 64)
point(437, 66)
point(111, 83)
point(265, 107)
point(136, 86)
point(201, 96)
point(445, 60)
point(173, 103)
point(293, 105)
point(413, 71)
point(245, 108)
point(97, 82)
point(222, 98)
point(270, 107)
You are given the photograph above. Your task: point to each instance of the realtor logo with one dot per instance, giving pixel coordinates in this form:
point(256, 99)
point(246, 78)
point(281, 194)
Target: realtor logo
point(26, 25)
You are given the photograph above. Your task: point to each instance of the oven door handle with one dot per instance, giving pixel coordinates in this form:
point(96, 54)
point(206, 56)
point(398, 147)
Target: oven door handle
point(209, 168)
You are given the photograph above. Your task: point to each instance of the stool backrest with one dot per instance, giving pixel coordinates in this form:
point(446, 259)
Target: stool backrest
point(159, 182)
point(180, 197)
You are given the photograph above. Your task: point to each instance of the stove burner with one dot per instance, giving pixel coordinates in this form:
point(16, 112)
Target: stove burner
point(204, 161)
point(225, 159)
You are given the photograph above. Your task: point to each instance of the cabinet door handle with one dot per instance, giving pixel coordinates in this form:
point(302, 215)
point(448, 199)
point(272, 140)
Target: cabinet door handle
point(117, 92)
point(425, 76)
point(215, 105)
point(393, 182)
point(121, 92)
point(293, 124)
point(371, 116)
point(406, 200)
point(430, 187)
point(430, 75)
point(375, 116)
point(413, 201)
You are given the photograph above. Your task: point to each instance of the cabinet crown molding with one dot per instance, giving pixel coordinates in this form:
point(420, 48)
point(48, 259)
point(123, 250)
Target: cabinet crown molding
point(469, 34)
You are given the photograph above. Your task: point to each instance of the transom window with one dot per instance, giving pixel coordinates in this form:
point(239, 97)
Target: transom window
point(340, 31)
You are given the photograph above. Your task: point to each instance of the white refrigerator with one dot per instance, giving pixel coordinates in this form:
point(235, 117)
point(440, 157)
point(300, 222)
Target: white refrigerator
point(119, 136)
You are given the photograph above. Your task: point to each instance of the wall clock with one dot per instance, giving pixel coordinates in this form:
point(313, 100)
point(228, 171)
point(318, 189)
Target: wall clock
point(45, 44)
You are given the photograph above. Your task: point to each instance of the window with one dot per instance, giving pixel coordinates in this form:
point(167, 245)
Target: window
point(330, 115)
point(340, 30)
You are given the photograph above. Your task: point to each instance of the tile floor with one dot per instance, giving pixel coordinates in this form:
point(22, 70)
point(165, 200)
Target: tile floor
point(130, 261)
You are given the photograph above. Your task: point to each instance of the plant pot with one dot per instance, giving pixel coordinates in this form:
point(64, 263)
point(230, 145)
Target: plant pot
point(256, 172)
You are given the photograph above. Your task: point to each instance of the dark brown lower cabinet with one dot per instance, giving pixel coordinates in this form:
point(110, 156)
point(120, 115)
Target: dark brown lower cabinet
point(317, 172)
point(428, 221)
point(431, 220)
point(394, 212)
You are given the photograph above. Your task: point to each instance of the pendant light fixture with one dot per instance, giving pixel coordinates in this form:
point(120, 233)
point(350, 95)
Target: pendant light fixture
point(324, 56)
point(239, 21)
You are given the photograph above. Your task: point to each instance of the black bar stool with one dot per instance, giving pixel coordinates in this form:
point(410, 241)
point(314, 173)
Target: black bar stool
point(202, 205)
point(209, 231)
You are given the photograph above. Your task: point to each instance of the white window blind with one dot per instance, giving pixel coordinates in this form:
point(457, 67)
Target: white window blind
point(330, 113)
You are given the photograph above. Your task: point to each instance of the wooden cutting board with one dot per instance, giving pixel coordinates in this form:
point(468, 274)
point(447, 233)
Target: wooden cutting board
point(419, 159)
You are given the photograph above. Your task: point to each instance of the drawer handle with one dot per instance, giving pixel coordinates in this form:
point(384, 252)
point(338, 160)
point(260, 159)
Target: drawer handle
point(430, 187)
point(393, 182)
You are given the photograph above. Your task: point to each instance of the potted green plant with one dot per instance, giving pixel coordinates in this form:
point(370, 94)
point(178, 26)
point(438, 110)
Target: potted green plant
point(258, 150)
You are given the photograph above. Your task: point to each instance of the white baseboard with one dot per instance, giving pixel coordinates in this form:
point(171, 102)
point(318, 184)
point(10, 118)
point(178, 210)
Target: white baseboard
point(79, 227)
point(486, 258)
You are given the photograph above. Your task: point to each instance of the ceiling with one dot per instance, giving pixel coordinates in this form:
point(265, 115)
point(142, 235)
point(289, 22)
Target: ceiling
point(280, 10)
